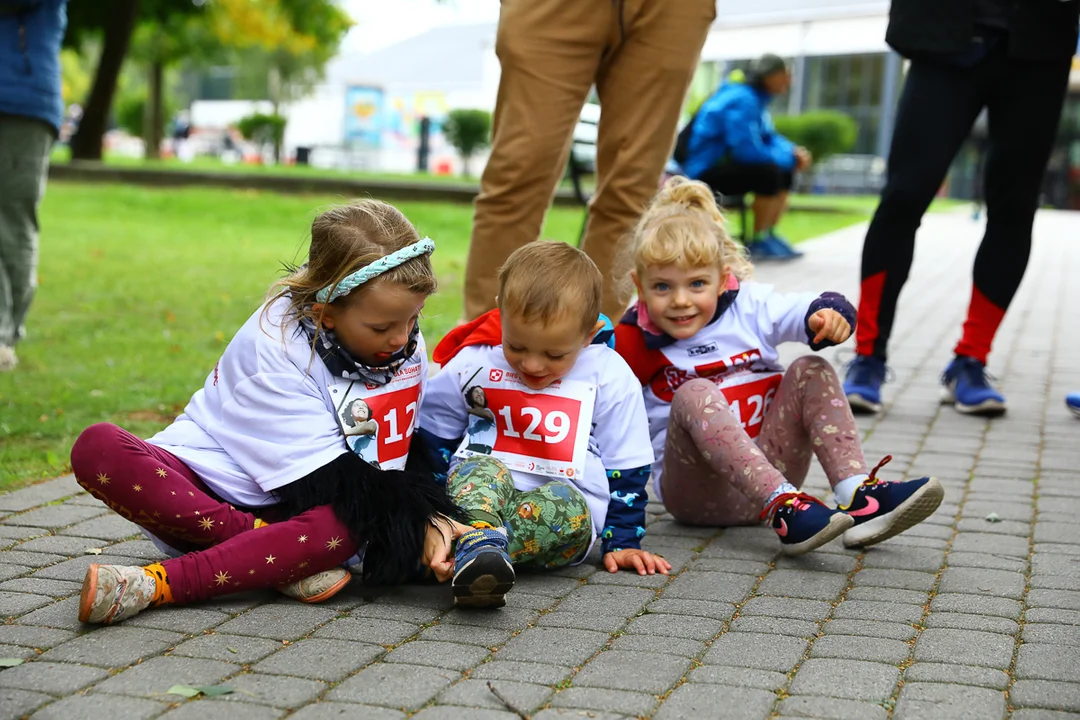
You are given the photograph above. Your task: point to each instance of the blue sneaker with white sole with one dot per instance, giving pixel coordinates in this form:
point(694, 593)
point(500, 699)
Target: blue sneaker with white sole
point(483, 573)
point(883, 509)
point(803, 522)
point(862, 384)
point(786, 249)
point(1072, 401)
point(967, 388)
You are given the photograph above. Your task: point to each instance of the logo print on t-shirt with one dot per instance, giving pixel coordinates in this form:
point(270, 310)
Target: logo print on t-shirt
point(702, 350)
point(495, 375)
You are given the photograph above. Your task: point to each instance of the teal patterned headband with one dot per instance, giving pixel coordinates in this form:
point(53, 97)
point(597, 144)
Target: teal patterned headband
point(375, 269)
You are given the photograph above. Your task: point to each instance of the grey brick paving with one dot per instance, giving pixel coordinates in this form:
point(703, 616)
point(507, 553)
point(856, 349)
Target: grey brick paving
point(54, 678)
point(629, 703)
point(320, 659)
point(396, 686)
point(155, 676)
point(525, 697)
point(948, 702)
point(210, 710)
point(96, 705)
point(323, 710)
point(939, 622)
point(690, 701)
point(831, 708)
point(283, 692)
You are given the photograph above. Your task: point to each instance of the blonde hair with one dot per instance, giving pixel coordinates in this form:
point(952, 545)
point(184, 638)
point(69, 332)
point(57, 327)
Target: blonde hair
point(547, 280)
point(343, 240)
point(682, 226)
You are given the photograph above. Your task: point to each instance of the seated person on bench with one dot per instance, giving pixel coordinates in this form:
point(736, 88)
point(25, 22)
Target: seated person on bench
point(731, 145)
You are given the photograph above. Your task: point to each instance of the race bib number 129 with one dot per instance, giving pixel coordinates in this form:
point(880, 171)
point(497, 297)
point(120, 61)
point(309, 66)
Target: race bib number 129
point(538, 431)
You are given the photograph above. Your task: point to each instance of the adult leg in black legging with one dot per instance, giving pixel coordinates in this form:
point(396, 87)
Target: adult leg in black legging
point(1024, 110)
point(937, 108)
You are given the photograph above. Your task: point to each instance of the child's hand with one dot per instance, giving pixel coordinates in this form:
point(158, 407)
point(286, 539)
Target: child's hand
point(829, 325)
point(438, 546)
point(644, 562)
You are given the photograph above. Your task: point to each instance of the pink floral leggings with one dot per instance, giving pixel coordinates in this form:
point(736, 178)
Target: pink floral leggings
point(715, 474)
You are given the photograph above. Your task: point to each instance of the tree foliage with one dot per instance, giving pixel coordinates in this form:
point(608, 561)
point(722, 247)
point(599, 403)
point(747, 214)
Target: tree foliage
point(293, 39)
point(468, 131)
point(822, 132)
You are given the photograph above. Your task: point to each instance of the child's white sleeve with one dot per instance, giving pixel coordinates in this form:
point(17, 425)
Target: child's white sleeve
point(622, 426)
point(443, 412)
point(278, 429)
point(781, 317)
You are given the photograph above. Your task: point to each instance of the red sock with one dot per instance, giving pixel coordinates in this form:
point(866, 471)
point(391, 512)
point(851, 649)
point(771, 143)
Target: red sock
point(983, 320)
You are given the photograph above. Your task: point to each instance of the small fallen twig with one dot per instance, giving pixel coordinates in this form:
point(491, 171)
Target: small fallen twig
point(509, 705)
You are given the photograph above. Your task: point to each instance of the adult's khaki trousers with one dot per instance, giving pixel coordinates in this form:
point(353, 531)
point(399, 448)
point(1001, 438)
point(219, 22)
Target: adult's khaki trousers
point(641, 55)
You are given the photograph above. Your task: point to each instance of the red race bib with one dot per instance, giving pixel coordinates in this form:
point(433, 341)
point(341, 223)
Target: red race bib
point(378, 421)
point(750, 397)
point(395, 412)
point(545, 432)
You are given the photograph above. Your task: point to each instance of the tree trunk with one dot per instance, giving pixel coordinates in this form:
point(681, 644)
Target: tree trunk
point(154, 121)
point(274, 85)
point(86, 144)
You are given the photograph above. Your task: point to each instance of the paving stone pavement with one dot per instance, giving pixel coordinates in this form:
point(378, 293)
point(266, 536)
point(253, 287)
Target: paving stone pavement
point(960, 617)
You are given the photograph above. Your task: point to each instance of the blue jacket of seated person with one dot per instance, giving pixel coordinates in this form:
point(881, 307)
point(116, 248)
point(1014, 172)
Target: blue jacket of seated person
point(735, 124)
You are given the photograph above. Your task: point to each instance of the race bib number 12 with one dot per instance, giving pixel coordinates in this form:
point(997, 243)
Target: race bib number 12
point(378, 422)
point(750, 397)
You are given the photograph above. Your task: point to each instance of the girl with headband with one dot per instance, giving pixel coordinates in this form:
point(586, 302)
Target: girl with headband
point(256, 481)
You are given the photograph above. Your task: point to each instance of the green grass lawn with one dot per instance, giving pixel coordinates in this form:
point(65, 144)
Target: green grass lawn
point(864, 204)
point(140, 290)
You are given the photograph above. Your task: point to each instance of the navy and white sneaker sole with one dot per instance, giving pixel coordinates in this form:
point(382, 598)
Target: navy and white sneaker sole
point(910, 513)
point(483, 581)
point(863, 406)
point(838, 524)
point(987, 408)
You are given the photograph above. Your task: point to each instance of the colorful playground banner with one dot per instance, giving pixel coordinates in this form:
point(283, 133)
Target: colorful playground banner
point(364, 116)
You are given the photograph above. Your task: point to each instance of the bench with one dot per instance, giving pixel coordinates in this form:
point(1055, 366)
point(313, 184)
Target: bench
point(582, 163)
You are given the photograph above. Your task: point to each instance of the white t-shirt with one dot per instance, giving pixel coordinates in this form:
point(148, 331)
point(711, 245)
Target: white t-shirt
point(738, 352)
point(610, 420)
point(270, 412)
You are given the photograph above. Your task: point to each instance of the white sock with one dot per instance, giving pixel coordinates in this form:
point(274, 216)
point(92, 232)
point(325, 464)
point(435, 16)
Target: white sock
point(844, 491)
point(782, 489)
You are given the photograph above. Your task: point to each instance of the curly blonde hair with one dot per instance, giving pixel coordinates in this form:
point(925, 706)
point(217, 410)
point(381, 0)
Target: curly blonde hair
point(682, 226)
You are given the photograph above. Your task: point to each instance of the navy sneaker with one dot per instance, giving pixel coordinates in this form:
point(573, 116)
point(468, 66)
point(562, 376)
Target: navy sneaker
point(967, 388)
point(783, 246)
point(483, 573)
point(883, 509)
point(862, 384)
point(803, 522)
point(1072, 401)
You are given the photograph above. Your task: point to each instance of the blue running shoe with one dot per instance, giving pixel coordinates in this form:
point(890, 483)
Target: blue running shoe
point(803, 522)
point(483, 573)
point(967, 388)
point(862, 384)
point(783, 246)
point(1072, 401)
point(768, 248)
point(883, 509)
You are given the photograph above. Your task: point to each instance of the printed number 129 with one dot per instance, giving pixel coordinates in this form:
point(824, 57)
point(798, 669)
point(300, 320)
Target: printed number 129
point(556, 424)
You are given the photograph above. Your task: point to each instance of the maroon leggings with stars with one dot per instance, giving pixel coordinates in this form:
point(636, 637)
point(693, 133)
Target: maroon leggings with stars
point(226, 553)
